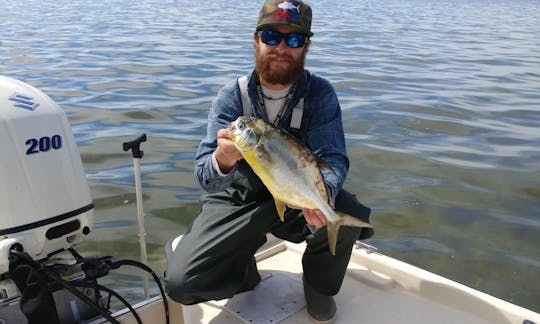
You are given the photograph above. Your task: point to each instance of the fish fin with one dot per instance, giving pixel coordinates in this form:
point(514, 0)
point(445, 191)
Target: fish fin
point(324, 165)
point(280, 206)
point(331, 202)
point(333, 229)
point(349, 220)
point(323, 189)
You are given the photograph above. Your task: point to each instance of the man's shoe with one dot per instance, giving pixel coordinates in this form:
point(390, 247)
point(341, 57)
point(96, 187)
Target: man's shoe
point(320, 307)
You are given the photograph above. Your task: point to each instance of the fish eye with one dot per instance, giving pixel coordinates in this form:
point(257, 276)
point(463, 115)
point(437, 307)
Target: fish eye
point(241, 125)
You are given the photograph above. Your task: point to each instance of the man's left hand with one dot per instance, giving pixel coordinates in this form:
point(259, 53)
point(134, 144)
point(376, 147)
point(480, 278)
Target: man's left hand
point(314, 217)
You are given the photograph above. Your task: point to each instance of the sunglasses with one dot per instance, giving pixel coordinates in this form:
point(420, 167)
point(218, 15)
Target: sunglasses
point(273, 38)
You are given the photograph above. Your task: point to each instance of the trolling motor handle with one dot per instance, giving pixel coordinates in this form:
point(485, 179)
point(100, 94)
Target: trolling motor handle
point(135, 146)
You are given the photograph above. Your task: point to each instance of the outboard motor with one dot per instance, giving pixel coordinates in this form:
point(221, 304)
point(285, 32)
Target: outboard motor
point(45, 209)
point(45, 202)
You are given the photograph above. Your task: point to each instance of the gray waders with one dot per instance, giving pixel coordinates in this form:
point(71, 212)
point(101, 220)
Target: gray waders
point(215, 257)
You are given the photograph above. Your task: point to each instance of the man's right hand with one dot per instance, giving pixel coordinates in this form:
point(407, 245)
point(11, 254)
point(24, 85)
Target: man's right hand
point(226, 153)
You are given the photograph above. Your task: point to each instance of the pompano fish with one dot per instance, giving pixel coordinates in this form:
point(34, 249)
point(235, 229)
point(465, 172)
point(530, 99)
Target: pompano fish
point(290, 171)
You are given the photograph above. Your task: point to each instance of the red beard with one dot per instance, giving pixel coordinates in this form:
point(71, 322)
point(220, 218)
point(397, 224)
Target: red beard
point(274, 72)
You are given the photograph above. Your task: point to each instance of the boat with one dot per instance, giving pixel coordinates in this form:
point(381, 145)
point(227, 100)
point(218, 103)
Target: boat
point(376, 288)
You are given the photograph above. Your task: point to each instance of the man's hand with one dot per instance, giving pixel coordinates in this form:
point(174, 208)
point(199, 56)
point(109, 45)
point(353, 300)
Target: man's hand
point(314, 217)
point(226, 153)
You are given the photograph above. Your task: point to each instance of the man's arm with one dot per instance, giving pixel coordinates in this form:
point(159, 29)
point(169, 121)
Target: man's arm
point(217, 145)
point(326, 138)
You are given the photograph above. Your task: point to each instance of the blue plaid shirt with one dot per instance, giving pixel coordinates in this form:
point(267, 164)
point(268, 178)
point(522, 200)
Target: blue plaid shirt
point(321, 129)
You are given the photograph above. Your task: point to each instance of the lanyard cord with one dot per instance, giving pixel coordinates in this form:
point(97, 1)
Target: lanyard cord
point(260, 97)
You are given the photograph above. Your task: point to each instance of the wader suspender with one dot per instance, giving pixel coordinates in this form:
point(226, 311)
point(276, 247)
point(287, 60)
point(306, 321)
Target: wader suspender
point(298, 111)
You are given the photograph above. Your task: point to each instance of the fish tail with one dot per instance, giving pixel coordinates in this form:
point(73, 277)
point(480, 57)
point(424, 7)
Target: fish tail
point(333, 229)
point(334, 220)
point(349, 220)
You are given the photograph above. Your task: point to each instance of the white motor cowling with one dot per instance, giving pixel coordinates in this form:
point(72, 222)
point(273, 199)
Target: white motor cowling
point(45, 202)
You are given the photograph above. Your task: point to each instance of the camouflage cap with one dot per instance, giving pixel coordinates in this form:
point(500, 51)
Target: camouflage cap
point(282, 12)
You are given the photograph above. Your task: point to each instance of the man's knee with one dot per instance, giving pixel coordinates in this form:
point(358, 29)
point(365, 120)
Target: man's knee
point(179, 289)
point(179, 282)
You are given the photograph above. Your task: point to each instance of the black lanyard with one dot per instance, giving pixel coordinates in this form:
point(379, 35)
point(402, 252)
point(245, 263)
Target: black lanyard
point(260, 96)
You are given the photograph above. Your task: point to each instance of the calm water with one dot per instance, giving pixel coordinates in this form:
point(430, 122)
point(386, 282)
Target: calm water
point(441, 103)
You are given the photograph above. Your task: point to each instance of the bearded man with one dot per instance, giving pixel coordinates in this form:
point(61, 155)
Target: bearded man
point(215, 257)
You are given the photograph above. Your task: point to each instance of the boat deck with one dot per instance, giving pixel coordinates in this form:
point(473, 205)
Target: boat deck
point(376, 289)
